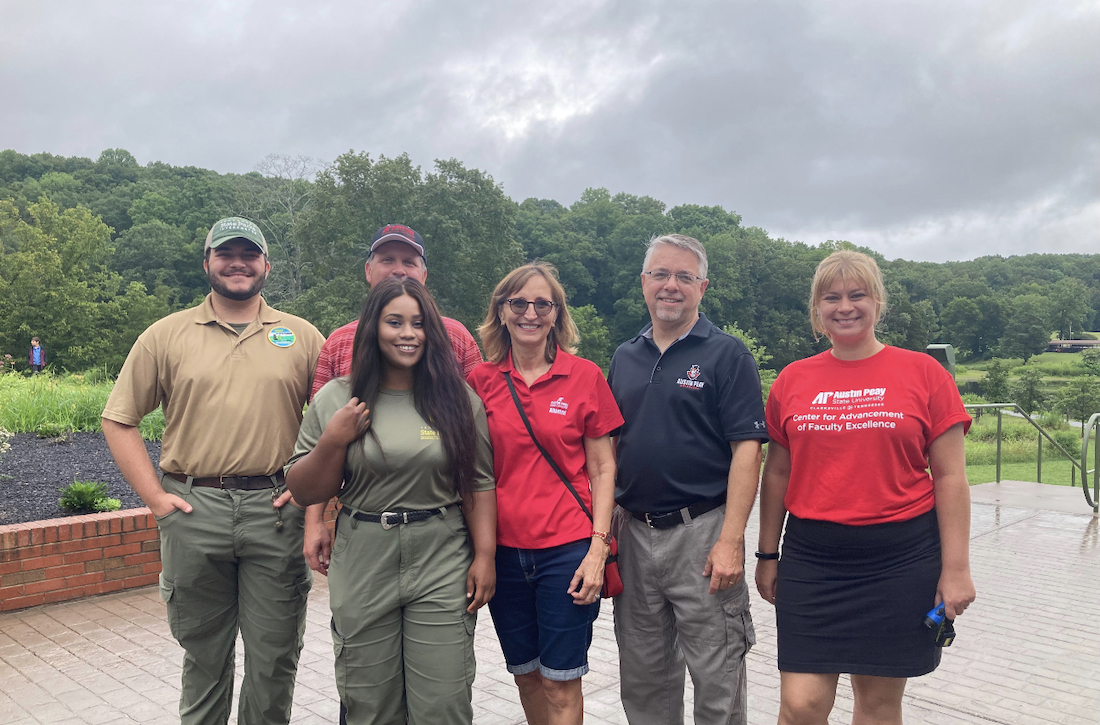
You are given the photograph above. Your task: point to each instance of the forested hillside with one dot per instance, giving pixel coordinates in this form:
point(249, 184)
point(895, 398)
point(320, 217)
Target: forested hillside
point(91, 252)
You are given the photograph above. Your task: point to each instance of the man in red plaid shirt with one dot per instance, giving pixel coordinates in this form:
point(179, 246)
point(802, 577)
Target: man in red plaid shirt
point(395, 251)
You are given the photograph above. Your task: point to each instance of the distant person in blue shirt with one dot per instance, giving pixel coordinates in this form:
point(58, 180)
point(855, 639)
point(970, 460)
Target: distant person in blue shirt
point(36, 356)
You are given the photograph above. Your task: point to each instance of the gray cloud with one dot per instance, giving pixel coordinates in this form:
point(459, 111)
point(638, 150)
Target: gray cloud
point(932, 130)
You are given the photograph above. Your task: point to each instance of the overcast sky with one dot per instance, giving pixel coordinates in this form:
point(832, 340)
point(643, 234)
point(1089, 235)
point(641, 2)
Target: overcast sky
point(929, 129)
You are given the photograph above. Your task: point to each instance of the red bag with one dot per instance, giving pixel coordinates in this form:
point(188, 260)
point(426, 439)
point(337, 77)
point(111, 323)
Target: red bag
point(612, 583)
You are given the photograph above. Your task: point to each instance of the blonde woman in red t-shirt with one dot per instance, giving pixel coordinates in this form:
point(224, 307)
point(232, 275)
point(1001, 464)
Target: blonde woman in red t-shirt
point(866, 466)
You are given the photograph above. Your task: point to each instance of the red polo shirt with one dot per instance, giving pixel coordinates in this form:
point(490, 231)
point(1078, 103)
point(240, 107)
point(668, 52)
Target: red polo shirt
point(569, 403)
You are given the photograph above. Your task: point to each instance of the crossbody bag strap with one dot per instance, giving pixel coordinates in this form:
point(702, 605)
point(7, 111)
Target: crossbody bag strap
point(527, 423)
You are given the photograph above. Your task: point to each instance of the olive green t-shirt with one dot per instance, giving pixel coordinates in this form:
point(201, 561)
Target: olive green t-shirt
point(406, 467)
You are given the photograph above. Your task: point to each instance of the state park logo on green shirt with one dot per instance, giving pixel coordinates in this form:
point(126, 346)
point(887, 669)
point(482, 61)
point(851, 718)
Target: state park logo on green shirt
point(428, 434)
point(281, 336)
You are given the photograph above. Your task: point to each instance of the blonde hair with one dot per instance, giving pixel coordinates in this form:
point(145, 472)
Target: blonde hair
point(494, 335)
point(846, 266)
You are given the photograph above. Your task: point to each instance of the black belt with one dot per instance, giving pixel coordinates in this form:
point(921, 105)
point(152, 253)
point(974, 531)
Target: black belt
point(238, 483)
point(674, 518)
point(389, 519)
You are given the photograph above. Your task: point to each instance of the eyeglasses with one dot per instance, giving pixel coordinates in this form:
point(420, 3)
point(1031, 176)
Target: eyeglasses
point(520, 305)
point(660, 276)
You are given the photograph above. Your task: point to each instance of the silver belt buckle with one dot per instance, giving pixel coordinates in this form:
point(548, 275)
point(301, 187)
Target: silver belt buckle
point(648, 522)
point(384, 519)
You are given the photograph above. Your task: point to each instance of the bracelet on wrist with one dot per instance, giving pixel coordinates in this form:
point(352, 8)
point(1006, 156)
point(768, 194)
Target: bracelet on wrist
point(767, 557)
point(602, 535)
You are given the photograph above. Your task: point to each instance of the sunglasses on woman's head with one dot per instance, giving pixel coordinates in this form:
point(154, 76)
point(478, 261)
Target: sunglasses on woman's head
point(519, 306)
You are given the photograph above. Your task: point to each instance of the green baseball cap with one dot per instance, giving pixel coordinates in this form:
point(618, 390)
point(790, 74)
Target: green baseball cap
point(234, 227)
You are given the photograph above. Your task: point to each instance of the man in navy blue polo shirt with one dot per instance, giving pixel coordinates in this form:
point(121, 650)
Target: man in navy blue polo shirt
point(688, 468)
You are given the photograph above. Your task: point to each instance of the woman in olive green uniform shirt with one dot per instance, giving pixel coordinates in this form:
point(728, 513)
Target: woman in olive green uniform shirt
point(409, 442)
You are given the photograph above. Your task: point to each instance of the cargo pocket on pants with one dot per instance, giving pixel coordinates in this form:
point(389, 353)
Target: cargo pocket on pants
point(341, 660)
point(168, 595)
point(740, 633)
point(469, 621)
point(304, 585)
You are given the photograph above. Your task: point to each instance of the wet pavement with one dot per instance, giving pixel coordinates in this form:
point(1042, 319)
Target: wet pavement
point(1027, 652)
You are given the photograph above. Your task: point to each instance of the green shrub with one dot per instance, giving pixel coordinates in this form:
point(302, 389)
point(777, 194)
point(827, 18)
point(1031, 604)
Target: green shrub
point(1012, 429)
point(85, 497)
point(1052, 421)
point(50, 429)
point(1012, 451)
point(108, 504)
point(1053, 368)
point(1068, 439)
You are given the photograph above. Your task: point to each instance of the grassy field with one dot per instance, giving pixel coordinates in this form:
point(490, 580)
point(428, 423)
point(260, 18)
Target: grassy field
point(1055, 365)
point(1019, 450)
point(57, 404)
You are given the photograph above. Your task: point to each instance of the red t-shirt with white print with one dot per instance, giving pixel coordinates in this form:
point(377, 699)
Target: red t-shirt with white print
point(859, 433)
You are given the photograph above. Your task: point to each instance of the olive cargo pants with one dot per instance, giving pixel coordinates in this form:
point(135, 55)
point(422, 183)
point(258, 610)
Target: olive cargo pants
point(403, 640)
point(227, 567)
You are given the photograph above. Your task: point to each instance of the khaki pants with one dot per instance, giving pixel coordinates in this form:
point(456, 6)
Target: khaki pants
point(226, 567)
point(404, 643)
point(665, 618)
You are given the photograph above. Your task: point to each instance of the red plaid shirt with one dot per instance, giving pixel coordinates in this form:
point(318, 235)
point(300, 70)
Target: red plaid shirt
point(335, 359)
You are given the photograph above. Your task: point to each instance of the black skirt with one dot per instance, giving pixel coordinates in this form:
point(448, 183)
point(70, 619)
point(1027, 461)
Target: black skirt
point(853, 598)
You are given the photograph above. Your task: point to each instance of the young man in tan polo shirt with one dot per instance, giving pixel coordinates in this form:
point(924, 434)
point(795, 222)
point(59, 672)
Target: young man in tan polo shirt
point(232, 376)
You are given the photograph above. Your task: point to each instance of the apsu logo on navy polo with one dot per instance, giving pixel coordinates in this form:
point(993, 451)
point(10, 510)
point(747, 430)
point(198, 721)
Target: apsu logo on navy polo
point(692, 380)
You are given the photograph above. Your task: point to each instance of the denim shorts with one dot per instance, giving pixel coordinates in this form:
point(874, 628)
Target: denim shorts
point(537, 623)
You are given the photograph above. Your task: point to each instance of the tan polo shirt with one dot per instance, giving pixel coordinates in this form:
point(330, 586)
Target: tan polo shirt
point(232, 405)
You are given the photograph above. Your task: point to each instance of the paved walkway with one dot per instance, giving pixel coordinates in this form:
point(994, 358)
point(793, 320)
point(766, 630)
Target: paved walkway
point(1027, 653)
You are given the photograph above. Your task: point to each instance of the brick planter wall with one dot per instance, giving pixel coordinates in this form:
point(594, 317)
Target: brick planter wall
point(79, 556)
point(59, 559)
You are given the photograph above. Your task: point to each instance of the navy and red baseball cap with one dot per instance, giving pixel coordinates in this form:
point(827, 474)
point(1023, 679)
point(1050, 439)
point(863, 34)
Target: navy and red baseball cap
point(398, 233)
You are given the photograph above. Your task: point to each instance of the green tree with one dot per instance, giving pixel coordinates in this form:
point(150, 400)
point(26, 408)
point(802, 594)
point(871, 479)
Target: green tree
point(1070, 309)
point(1090, 361)
point(1079, 398)
point(906, 325)
point(759, 354)
point(960, 325)
point(995, 382)
point(1027, 328)
point(55, 283)
point(463, 215)
point(276, 197)
point(973, 325)
point(468, 220)
point(1028, 393)
point(164, 258)
point(595, 342)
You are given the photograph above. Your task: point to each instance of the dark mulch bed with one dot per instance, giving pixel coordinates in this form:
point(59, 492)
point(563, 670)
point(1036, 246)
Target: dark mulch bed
point(35, 468)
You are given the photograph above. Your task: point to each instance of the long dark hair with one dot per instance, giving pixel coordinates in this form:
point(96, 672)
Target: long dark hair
point(439, 394)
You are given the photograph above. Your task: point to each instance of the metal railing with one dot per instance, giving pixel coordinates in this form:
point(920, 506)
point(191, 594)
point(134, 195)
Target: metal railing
point(1091, 431)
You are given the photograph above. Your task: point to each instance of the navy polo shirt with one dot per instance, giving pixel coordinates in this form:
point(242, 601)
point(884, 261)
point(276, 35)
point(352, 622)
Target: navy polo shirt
point(682, 408)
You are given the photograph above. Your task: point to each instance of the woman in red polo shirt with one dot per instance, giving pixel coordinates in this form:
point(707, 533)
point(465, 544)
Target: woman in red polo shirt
point(550, 554)
point(866, 464)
